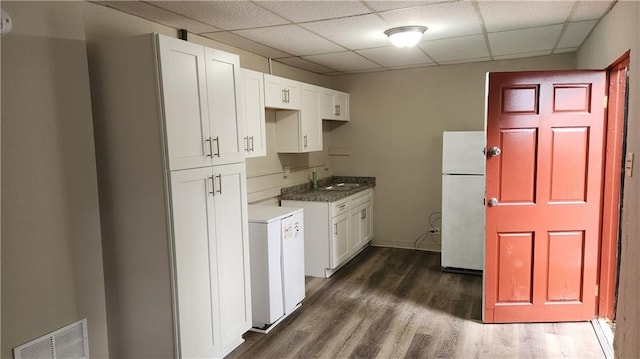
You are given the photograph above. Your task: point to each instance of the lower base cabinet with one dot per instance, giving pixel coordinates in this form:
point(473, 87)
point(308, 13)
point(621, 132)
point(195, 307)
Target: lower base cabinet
point(335, 232)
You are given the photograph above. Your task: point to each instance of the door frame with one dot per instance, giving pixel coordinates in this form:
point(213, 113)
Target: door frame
point(612, 189)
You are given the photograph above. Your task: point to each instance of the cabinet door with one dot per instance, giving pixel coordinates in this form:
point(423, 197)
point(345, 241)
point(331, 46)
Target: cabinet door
point(340, 250)
point(223, 93)
point(341, 106)
point(367, 223)
point(255, 132)
point(281, 93)
point(232, 247)
point(356, 228)
point(195, 254)
point(311, 123)
point(326, 105)
point(186, 116)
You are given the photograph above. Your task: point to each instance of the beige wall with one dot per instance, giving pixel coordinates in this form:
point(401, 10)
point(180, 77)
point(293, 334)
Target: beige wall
point(615, 34)
point(395, 134)
point(51, 250)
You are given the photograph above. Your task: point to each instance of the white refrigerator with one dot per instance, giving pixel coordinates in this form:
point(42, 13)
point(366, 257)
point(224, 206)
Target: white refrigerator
point(276, 247)
point(463, 187)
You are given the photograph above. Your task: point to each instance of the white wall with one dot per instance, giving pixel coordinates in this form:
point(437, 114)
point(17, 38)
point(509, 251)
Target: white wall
point(51, 250)
point(395, 134)
point(618, 32)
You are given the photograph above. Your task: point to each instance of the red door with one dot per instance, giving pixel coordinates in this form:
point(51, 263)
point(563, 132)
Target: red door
point(544, 188)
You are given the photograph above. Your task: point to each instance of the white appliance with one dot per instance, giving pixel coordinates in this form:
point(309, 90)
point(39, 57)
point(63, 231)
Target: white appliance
point(276, 246)
point(463, 184)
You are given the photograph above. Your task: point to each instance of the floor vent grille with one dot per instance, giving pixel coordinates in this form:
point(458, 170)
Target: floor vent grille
point(70, 342)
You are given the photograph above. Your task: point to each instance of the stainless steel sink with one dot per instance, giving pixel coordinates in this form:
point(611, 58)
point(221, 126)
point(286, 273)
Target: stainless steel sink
point(340, 187)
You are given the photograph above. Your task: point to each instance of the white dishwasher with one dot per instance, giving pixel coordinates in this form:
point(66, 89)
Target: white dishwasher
point(276, 246)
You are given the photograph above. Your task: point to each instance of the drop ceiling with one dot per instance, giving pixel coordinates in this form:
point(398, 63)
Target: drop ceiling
point(337, 37)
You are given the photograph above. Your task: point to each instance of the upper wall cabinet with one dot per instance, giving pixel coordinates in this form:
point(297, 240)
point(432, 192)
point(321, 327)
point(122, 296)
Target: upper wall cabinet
point(281, 93)
point(255, 143)
point(334, 105)
point(200, 94)
point(301, 131)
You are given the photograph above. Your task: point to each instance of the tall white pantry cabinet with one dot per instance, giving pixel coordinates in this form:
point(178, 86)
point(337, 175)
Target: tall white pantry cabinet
point(172, 180)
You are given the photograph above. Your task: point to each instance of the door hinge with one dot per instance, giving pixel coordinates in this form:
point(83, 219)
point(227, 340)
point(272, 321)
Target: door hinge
point(606, 101)
point(597, 290)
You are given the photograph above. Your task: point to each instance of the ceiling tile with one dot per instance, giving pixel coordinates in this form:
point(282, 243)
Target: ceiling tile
point(391, 5)
point(508, 15)
point(392, 56)
point(310, 10)
point(512, 42)
point(575, 33)
point(292, 39)
point(443, 20)
point(160, 15)
point(589, 10)
point(227, 15)
point(455, 49)
point(232, 39)
point(343, 61)
point(359, 32)
point(305, 64)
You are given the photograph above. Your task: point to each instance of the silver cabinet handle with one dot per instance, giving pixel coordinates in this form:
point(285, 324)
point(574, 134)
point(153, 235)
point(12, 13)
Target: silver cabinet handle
point(246, 144)
point(210, 188)
point(342, 206)
point(305, 141)
point(335, 229)
point(336, 110)
point(210, 154)
point(219, 190)
point(363, 214)
point(217, 141)
point(283, 97)
point(252, 148)
point(288, 96)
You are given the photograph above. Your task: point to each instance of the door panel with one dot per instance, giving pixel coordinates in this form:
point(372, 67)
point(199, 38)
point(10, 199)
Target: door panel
point(542, 236)
point(518, 165)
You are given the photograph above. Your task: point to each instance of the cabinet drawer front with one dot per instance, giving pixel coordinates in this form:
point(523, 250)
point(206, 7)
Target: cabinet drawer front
point(361, 197)
point(340, 207)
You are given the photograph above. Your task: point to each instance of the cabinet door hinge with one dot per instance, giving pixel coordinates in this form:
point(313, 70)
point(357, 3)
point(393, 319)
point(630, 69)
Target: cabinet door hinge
point(606, 101)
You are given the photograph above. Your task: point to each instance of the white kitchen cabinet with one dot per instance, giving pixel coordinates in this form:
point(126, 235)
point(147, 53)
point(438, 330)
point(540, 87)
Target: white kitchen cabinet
point(334, 105)
point(301, 131)
point(281, 93)
point(335, 232)
point(174, 220)
point(201, 109)
point(211, 258)
point(255, 140)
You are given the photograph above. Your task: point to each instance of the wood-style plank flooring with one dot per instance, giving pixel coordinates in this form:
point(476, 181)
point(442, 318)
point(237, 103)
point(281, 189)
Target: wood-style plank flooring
point(396, 303)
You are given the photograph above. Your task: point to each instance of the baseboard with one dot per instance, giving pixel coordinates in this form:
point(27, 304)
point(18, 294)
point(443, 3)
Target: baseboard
point(403, 245)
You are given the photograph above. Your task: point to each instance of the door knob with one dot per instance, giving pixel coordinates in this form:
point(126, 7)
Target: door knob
point(493, 202)
point(494, 151)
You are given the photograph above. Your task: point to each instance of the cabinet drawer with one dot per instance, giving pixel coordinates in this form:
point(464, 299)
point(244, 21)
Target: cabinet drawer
point(361, 197)
point(340, 207)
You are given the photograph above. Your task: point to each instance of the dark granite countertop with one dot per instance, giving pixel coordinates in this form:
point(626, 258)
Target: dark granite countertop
point(304, 192)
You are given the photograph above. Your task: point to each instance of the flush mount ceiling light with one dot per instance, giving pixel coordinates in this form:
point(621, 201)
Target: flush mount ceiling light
point(405, 36)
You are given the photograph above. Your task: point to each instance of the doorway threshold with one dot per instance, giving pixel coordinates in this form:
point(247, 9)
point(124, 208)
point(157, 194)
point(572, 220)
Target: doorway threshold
point(605, 336)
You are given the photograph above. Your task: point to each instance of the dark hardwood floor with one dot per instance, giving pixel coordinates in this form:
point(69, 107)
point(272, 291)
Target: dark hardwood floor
point(396, 303)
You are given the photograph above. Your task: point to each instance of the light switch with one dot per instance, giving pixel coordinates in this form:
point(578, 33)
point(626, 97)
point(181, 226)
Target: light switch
point(628, 165)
